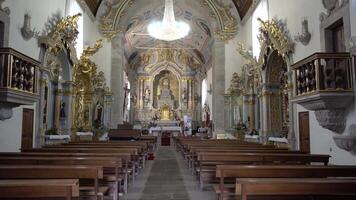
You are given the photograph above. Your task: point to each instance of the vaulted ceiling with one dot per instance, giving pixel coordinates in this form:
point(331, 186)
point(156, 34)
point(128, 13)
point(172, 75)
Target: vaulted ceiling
point(242, 6)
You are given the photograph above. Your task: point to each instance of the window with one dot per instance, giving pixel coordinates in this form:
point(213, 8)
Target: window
point(262, 13)
point(74, 8)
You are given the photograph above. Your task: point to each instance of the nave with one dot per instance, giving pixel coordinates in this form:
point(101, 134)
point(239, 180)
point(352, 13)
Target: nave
point(167, 177)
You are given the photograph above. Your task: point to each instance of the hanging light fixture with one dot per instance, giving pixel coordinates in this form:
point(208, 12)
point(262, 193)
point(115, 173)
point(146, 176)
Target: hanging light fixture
point(168, 29)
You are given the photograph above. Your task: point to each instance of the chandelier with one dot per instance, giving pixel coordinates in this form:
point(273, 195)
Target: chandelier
point(168, 29)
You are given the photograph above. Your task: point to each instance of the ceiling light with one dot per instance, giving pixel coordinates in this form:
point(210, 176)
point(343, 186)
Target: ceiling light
point(169, 29)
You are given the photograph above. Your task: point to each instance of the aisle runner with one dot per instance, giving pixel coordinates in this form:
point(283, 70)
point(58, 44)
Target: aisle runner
point(165, 180)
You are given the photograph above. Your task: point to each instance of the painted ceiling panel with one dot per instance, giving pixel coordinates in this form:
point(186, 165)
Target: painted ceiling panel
point(93, 5)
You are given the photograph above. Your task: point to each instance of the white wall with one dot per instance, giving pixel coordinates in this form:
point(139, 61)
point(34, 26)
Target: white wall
point(103, 57)
point(289, 10)
point(353, 17)
point(10, 132)
point(234, 60)
point(40, 11)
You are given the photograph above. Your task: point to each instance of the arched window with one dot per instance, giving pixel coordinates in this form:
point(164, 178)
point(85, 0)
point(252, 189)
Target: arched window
point(261, 12)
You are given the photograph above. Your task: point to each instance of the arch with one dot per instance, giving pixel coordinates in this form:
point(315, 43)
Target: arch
point(278, 101)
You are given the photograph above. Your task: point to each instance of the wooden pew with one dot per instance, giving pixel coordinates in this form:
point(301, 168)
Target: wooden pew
point(228, 173)
point(83, 173)
point(136, 162)
point(207, 163)
point(246, 187)
point(111, 165)
point(51, 188)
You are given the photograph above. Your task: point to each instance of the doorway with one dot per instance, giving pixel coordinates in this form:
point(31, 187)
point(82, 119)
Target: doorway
point(27, 128)
point(304, 132)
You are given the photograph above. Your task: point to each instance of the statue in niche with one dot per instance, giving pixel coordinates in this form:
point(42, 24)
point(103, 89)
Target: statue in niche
point(206, 115)
point(145, 59)
point(98, 115)
point(126, 95)
point(86, 115)
point(147, 94)
point(62, 113)
point(184, 95)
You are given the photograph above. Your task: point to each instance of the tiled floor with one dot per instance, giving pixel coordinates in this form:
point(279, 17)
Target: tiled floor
point(165, 178)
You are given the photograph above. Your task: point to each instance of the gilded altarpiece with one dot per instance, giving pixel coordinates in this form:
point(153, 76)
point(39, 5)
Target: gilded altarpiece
point(271, 80)
point(91, 97)
point(58, 56)
point(167, 86)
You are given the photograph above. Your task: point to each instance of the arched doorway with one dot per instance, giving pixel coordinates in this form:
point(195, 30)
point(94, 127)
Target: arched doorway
point(277, 102)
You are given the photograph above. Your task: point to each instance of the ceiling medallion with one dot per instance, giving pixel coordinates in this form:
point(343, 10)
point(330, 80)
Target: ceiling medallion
point(168, 29)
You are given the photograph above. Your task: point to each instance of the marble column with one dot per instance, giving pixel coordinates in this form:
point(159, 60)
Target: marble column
point(117, 81)
point(218, 86)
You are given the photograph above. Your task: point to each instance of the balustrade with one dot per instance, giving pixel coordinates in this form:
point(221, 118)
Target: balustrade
point(18, 71)
point(323, 72)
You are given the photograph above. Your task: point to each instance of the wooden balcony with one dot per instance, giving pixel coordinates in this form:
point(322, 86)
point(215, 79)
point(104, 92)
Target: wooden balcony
point(324, 83)
point(324, 75)
point(18, 78)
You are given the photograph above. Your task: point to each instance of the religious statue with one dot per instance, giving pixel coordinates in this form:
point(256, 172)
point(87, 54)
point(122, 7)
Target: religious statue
point(147, 95)
point(206, 115)
point(98, 115)
point(62, 113)
point(145, 59)
point(184, 95)
point(126, 95)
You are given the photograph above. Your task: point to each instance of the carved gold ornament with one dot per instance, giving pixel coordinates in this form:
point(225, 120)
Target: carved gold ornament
point(274, 33)
point(86, 80)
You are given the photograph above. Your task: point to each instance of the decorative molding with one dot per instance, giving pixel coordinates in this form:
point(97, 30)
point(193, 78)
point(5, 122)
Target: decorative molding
point(331, 6)
point(333, 120)
point(347, 142)
point(5, 111)
point(329, 108)
point(6, 9)
point(305, 37)
point(353, 45)
point(26, 31)
point(274, 33)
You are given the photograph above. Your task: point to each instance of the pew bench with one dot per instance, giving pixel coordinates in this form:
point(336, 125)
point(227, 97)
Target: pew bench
point(206, 168)
point(40, 188)
point(252, 187)
point(111, 166)
point(88, 176)
point(228, 173)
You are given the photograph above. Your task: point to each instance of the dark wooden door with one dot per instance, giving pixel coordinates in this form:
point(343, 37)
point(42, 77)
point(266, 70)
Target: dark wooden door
point(304, 132)
point(338, 39)
point(27, 128)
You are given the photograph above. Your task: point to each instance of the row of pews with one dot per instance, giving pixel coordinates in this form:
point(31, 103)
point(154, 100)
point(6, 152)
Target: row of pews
point(244, 170)
point(76, 170)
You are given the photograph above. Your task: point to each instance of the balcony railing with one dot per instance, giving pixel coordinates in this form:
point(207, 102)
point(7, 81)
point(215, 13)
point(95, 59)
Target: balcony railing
point(18, 72)
point(323, 72)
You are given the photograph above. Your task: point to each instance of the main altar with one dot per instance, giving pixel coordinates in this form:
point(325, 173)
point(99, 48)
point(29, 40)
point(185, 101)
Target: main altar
point(166, 90)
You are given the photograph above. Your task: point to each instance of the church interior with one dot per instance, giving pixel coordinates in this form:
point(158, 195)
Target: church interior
point(177, 99)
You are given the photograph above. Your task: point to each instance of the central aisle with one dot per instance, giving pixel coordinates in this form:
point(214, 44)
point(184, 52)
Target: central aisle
point(166, 178)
